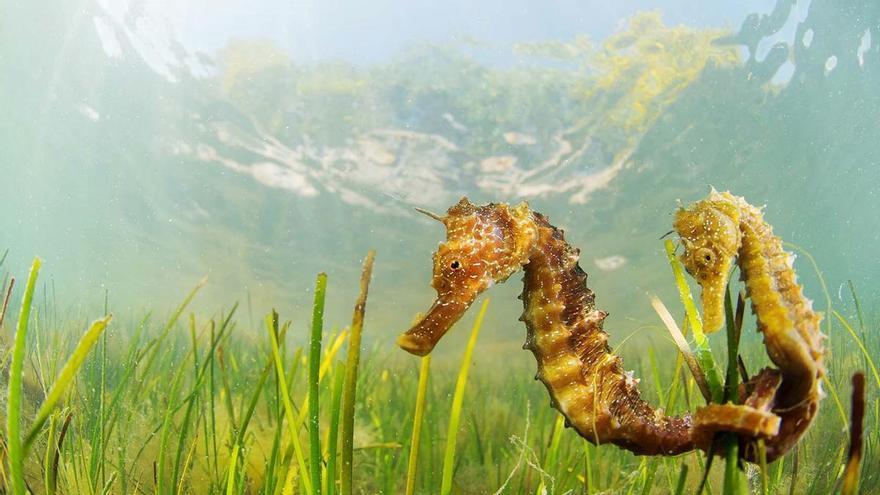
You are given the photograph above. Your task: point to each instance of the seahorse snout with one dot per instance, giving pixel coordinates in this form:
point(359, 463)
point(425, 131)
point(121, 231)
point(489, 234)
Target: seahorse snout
point(424, 335)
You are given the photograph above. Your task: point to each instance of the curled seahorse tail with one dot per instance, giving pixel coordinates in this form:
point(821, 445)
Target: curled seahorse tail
point(752, 419)
point(585, 380)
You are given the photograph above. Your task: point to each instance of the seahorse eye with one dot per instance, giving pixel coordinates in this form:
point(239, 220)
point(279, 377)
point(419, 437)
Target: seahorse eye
point(706, 256)
point(455, 265)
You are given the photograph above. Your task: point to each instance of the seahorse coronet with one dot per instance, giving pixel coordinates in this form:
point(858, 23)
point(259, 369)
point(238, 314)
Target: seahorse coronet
point(586, 381)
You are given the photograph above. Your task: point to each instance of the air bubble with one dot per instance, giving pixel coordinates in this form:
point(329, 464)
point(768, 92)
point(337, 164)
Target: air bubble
point(807, 40)
point(830, 64)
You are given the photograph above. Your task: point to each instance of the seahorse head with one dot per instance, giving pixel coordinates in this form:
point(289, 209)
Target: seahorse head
point(484, 245)
point(709, 230)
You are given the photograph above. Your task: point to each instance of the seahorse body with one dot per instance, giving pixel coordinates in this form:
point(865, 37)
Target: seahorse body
point(714, 232)
point(587, 383)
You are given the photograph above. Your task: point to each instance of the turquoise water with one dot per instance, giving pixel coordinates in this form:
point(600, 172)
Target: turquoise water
point(144, 147)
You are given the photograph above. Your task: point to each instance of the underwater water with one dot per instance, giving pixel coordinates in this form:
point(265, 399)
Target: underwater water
point(145, 146)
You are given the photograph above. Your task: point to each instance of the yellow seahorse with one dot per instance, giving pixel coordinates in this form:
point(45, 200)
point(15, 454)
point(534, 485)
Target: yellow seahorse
point(715, 232)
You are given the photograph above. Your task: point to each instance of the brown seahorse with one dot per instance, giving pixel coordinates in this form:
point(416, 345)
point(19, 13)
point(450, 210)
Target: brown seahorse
point(715, 231)
point(586, 381)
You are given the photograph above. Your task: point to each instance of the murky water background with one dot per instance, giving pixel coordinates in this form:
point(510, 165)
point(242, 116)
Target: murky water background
point(145, 146)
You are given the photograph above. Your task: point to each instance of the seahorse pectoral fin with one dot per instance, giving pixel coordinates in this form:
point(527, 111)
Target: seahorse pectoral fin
point(424, 335)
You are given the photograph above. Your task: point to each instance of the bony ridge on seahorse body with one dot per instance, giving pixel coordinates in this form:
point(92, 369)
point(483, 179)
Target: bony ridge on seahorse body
point(586, 381)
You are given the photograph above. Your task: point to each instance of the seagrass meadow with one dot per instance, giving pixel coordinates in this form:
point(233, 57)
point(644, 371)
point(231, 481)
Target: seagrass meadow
point(219, 247)
point(223, 403)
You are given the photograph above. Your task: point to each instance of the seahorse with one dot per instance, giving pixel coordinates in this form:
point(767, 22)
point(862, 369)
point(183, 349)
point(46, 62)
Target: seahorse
point(587, 383)
point(783, 403)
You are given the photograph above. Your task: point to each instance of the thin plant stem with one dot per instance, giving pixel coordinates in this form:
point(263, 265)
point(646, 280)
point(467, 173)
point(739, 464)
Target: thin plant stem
point(861, 344)
point(682, 479)
point(457, 401)
point(333, 434)
point(351, 373)
point(6, 300)
point(16, 450)
point(703, 351)
point(314, 391)
point(795, 462)
point(762, 459)
point(421, 395)
point(230, 478)
point(272, 327)
point(852, 472)
point(733, 483)
point(68, 372)
point(683, 347)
